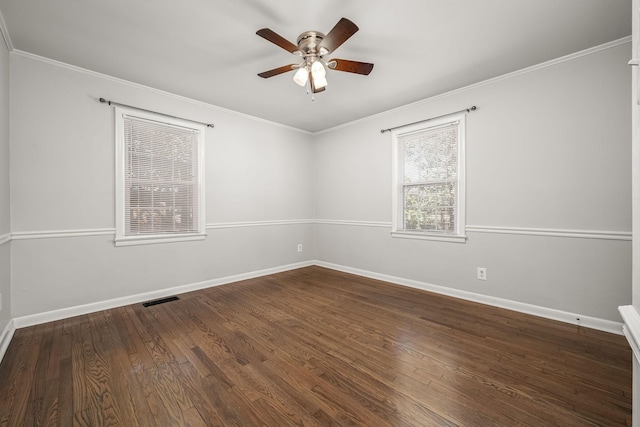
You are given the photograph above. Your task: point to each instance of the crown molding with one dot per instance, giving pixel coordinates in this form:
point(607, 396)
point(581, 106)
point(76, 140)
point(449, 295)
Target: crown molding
point(380, 115)
point(181, 98)
point(492, 80)
point(5, 34)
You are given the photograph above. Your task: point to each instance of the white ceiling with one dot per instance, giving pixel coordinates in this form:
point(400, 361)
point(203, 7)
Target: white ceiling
point(208, 50)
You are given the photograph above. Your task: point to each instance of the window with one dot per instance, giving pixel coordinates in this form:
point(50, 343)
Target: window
point(159, 179)
point(428, 190)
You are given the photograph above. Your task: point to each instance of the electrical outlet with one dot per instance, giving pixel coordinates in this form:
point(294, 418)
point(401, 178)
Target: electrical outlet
point(482, 273)
point(299, 247)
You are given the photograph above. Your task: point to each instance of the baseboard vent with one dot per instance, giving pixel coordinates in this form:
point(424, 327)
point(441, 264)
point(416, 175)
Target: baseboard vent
point(160, 301)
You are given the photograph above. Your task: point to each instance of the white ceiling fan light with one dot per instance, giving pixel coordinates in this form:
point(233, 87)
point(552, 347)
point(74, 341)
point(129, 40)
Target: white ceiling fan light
point(317, 69)
point(319, 82)
point(301, 76)
point(318, 75)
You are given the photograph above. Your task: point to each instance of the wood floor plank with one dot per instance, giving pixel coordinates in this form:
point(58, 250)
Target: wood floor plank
point(17, 377)
point(193, 385)
point(314, 347)
point(127, 394)
point(64, 388)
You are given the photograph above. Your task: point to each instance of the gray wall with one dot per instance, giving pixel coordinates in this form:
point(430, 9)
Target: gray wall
point(5, 219)
point(548, 149)
point(62, 156)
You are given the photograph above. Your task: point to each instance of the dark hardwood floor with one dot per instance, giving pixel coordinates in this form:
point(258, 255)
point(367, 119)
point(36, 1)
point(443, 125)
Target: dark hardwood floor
point(314, 347)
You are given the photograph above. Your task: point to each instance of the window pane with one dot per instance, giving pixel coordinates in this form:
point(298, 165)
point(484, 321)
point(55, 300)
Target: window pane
point(430, 207)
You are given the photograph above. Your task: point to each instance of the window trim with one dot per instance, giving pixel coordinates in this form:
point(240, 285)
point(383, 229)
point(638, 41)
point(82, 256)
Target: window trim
point(120, 192)
point(398, 180)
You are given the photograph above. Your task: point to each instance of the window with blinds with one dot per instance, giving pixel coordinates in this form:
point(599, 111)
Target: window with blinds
point(429, 180)
point(159, 184)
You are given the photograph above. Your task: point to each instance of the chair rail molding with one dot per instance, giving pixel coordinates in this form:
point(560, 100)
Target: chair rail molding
point(526, 231)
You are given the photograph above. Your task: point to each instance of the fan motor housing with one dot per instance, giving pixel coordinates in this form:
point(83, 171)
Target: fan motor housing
point(309, 42)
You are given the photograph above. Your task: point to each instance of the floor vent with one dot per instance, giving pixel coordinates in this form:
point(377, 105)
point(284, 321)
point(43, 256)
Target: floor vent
point(160, 301)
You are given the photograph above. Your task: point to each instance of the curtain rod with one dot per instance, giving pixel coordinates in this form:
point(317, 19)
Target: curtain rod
point(105, 101)
point(431, 118)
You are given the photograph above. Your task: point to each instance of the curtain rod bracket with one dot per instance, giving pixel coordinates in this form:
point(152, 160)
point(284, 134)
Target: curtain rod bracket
point(468, 110)
point(108, 102)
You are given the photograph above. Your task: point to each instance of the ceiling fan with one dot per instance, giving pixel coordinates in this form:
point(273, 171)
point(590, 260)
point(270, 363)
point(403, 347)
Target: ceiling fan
point(312, 46)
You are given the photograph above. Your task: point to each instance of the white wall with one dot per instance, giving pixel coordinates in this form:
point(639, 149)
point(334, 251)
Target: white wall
point(5, 220)
point(548, 149)
point(630, 313)
point(62, 156)
point(635, 112)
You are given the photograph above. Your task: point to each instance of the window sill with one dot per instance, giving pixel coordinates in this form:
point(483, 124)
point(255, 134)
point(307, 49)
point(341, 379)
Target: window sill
point(152, 240)
point(429, 236)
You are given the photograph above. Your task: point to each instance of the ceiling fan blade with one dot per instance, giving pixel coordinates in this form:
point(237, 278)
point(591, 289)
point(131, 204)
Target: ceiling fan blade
point(351, 66)
point(277, 40)
point(276, 71)
point(339, 34)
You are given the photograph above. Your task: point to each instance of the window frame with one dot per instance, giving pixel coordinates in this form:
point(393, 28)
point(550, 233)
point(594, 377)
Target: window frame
point(397, 228)
point(143, 239)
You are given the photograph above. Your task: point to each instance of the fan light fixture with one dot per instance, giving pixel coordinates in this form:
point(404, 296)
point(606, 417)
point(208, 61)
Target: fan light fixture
point(320, 83)
point(312, 46)
point(314, 74)
point(301, 76)
point(318, 74)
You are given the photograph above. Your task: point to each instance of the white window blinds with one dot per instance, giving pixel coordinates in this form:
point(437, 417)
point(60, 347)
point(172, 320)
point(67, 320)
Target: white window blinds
point(430, 180)
point(160, 189)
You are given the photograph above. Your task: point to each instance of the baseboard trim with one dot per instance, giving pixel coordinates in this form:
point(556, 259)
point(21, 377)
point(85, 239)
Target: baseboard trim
point(64, 313)
point(548, 313)
point(5, 338)
point(50, 316)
